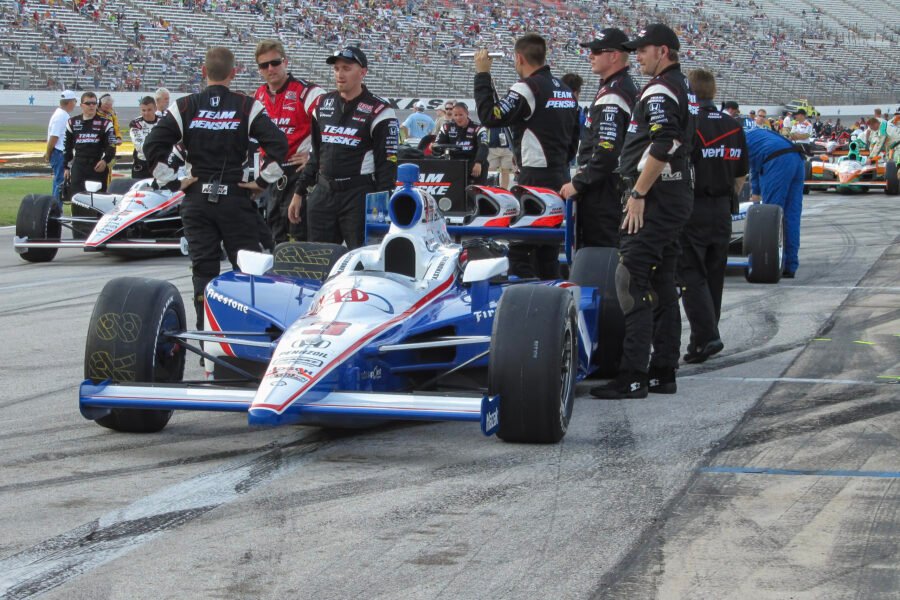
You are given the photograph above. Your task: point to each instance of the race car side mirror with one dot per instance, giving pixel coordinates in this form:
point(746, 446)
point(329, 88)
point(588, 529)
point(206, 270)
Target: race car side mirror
point(254, 263)
point(484, 269)
point(92, 186)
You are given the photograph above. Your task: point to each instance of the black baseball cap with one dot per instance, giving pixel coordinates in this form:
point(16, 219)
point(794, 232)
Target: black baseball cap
point(654, 35)
point(607, 39)
point(730, 104)
point(349, 53)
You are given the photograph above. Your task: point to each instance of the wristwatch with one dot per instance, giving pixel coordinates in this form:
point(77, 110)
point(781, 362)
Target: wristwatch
point(637, 195)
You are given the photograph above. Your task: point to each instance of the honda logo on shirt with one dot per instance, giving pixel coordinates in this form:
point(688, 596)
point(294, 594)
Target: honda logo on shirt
point(214, 101)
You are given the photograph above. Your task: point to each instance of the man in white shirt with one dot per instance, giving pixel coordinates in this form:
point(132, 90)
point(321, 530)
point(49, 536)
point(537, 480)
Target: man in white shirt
point(802, 132)
point(56, 136)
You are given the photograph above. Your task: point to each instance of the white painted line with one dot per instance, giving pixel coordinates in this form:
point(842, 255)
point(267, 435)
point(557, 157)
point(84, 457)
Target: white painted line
point(5, 227)
point(874, 288)
point(784, 380)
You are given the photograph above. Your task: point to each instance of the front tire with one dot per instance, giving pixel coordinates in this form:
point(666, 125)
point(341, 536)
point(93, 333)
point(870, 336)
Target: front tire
point(764, 243)
point(38, 219)
point(126, 344)
point(532, 368)
point(890, 175)
point(596, 267)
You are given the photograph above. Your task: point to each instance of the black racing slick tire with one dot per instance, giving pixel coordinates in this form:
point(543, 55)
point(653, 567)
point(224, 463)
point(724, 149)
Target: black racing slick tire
point(306, 260)
point(120, 185)
point(764, 243)
point(596, 267)
point(533, 367)
point(891, 178)
point(126, 343)
point(38, 219)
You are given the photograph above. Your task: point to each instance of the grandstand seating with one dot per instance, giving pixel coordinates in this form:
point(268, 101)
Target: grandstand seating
point(761, 51)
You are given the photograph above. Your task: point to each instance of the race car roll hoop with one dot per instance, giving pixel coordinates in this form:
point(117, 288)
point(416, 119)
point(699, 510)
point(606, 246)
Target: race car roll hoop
point(416, 327)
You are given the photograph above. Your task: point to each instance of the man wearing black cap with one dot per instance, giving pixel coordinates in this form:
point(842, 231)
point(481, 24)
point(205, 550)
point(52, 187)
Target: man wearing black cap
point(355, 135)
point(596, 183)
point(731, 108)
point(542, 114)
point(655, 166)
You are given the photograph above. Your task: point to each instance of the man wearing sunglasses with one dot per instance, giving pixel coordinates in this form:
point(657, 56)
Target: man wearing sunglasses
point(355, 135)
point(215, 126)
point(89, 146)
point(289, 102)
point(596, 183)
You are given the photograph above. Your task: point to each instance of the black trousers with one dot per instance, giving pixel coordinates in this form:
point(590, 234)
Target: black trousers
point(277, 216)
point(140, 169)
point(337, 214)
point(701, 266)
point(600, 214)
point(231, 221)
point(645, 279)
point(537, 260)
point(82, 171)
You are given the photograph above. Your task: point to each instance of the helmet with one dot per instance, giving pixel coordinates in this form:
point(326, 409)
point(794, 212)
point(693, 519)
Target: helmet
point(539, 207)
point(493, 207)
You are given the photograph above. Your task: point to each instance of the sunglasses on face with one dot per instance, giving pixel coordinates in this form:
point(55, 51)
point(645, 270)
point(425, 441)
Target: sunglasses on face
point(601, 51)
point(89, 103)
point(270, 63)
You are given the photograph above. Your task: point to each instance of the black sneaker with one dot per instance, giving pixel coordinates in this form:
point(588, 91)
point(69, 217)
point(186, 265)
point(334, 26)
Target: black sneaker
point(699, 354)
point(629, 384)
point(787, 274)
point(661, 380)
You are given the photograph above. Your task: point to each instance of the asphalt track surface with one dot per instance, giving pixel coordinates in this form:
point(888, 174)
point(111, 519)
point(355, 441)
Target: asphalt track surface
point(771, 474)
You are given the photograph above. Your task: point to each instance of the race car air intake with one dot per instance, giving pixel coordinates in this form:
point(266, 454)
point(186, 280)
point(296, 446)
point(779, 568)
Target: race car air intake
point(405, 207)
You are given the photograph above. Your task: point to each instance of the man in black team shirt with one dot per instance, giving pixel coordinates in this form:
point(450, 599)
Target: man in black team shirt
point(139, 129)
point(543, 116)
point(596, 182)
point(355, 135)
point(470, 140)
point(215, 127)
point(89, 146)
point(655, 164)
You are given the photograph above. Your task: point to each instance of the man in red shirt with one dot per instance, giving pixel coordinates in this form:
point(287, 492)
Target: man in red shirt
point(289, 102)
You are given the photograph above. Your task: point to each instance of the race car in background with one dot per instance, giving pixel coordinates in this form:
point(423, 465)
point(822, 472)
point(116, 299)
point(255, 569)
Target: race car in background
point(853, 172)
point(130, 217)
point(415, 327)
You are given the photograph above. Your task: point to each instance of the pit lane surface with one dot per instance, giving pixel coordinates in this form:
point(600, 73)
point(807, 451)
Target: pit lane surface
point(630, 505)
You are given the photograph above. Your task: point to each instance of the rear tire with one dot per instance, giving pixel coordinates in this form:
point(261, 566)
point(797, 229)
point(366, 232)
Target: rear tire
point(533, 368)
point(306, 260)
point(890, 175)
point(764, 243)
point(596, 267)
point(38, 219)
point(808, 174)
point(125, 344)
point(120, 186)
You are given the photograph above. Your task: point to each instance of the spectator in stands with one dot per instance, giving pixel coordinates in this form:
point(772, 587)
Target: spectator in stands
point(56, 138)
point(418, 124)
point(290, 102)
point(163, 97)
point(139, 129)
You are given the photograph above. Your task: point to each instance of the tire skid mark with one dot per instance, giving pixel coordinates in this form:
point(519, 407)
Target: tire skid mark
point(55, 561)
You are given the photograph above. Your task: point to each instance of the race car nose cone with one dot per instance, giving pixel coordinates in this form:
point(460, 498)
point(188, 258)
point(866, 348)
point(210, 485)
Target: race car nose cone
point(408, 174)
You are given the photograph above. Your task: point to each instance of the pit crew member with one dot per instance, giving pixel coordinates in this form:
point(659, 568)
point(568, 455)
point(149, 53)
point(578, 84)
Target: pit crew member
point(355, 135)
point(89, 146)
point(139, 129)
point(720, 167)
point(885, 138)
point(542, 114)
point(656, 167)
point(289, 102)
point(215, 127)
point(596, 183)
point(802, 132)
point(471, 140)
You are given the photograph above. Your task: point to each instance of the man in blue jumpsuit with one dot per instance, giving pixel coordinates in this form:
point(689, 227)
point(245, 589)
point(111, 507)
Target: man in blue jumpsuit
point(776, 174)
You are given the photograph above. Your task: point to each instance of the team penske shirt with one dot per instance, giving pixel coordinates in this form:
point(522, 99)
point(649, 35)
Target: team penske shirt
point(89, 139)
point(662, 126)
point(290, 108)
point(604, 131)
point(352, 138)
point(542, 114)
point(215, 127)
point(471, 139)
point(139, 129)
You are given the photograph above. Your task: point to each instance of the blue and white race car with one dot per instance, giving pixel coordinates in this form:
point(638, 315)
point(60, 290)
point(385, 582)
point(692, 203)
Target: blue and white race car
point(416, 327)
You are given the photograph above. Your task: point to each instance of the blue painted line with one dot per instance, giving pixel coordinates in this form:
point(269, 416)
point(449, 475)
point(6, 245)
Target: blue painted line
point(813, 472)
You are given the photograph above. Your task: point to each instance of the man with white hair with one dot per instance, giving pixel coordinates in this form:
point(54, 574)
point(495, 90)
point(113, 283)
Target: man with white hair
point(162, 101)
point(56, 138)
